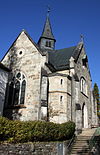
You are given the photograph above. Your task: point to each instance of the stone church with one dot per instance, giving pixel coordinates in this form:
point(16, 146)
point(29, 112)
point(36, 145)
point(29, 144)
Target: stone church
point(42, 83)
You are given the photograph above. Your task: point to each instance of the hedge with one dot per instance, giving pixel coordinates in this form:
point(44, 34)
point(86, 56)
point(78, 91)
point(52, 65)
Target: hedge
point(32, 131)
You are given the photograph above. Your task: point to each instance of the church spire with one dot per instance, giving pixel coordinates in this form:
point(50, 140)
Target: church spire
point(47, 40)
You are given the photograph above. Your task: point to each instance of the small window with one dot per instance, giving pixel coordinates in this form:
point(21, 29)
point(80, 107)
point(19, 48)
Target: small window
point(84, 61)
point(49, 43)
point(20, 52)
point(46, 43)
point(61, 82)
point(61, 98)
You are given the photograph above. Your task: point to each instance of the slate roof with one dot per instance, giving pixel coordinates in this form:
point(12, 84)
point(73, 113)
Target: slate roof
point(59, 59)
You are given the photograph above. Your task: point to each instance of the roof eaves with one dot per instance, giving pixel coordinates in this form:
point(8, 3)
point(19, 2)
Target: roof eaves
point(4, 67)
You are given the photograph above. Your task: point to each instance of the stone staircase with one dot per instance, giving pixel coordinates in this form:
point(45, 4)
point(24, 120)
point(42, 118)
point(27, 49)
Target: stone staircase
point(81, 144)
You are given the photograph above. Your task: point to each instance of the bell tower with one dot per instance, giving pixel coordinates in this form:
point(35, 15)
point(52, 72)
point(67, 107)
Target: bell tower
point(47, 40)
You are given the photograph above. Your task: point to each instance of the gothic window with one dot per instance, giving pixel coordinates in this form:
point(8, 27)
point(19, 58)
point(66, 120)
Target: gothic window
point(83, 86)
point(22, 92)
point(17, 90)
point(20, 85)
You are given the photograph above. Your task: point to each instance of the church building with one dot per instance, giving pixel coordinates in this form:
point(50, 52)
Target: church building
point(48, 84)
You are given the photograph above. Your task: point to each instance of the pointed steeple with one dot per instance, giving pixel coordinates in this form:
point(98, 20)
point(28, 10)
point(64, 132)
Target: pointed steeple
point(47, 40)
point(47, 31)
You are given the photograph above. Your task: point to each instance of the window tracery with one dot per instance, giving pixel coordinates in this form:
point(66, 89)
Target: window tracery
point(17, 90)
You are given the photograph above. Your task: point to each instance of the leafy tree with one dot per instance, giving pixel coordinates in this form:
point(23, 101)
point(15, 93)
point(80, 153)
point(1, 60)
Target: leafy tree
point(96, 96)
point(96, 92)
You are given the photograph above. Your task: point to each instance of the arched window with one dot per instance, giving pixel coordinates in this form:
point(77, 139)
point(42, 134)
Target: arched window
point(48, 44)
point(83, 86)
point(20, 85)
point(17, 90)
point(22, 92)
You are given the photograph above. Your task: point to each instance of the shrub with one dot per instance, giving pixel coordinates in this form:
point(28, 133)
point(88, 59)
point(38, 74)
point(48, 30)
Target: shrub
point(6, 130)
point(30, 131)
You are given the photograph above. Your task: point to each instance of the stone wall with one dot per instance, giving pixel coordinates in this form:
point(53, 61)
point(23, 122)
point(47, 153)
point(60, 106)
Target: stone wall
point(57, 102)
point(25, 58)
point(45, 148)
point(3, 83)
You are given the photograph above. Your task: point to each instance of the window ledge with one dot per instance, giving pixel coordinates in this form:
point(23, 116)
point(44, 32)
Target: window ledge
point(16, 106)
point(84, 94)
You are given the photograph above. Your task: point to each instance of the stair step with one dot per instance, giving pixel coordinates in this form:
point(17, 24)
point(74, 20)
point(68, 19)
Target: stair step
point(80, 152)
point(80, 149)
point(81, 143)
point(86, 147)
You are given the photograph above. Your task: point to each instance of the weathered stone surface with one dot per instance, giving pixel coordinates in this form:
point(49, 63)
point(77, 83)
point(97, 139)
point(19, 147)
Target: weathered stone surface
point(45, 148)
point(3, 84)
point(51, 95)
point(30, 63)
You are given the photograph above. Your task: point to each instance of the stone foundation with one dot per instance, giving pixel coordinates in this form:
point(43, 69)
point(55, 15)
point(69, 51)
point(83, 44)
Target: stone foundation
point(43, 148)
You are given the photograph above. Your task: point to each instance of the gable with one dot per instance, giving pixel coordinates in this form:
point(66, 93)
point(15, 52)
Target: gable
point(23, 45)
point(80, 66)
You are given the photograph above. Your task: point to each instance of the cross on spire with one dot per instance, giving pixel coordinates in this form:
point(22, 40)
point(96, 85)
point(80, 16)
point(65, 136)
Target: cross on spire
point(82, 38)
point(48, 10)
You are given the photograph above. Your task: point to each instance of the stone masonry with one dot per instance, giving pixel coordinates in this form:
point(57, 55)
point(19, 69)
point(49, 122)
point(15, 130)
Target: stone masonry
point(48, 84)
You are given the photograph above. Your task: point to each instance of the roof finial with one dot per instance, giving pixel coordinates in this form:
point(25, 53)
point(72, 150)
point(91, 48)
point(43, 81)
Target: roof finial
point(82, 38)
point(48, 10)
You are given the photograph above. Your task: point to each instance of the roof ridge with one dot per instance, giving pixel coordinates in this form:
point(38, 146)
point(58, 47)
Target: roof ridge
point(65, 48)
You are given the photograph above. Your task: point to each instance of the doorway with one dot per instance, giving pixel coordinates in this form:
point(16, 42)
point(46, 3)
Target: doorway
point(84, 116)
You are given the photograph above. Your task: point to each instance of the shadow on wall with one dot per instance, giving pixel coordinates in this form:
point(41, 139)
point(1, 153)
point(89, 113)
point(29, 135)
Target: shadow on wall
point(12, 114)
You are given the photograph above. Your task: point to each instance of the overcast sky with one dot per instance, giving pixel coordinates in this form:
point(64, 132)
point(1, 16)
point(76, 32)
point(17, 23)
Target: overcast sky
point(69, 19)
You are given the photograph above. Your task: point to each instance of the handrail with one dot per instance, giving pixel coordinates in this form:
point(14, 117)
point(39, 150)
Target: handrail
point(70, 143)
point(93, 140)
